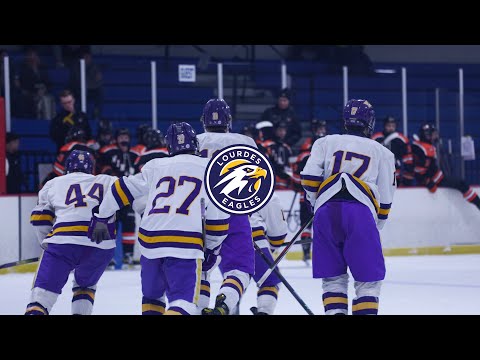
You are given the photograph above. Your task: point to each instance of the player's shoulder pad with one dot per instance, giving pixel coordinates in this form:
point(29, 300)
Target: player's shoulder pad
point(377, 135)
point(403, 138)
point(428, 149)
point(67, 147)
point(107, 148)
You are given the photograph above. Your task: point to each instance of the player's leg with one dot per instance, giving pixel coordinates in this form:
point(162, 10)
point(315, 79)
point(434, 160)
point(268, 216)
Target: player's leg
point(183, 277)
point(328, 262)
point(52, 275)
point(459, 184)
point(363, 253)
point(128, 233)
point(154, 286)
point(237, 264)
point(267, 295)
point(306, 235)
point(91, 266)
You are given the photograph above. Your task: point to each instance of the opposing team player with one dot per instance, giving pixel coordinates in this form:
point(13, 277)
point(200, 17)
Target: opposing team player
point(118, 160)
point(350, 181)
point(76, 140)
point(237, 252)
point(154, 148)
point(427, 171)
point(70, 200)
point(170, 233)
point(399, 145)
point(269, 230)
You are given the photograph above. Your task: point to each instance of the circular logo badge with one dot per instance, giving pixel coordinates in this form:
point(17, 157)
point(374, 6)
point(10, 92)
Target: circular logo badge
point(239, 180)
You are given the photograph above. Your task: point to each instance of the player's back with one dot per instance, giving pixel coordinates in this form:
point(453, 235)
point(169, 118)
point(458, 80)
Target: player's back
point(362, 164)
point(355, 155)
point(173, 212)
point(71, 198)
point(210, 142)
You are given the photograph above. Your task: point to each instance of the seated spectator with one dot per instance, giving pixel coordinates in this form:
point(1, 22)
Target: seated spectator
point(66, 119)
point(14, 171)
point(427, 171)
point(32, 81)
point(94, 82)
point(283, 112)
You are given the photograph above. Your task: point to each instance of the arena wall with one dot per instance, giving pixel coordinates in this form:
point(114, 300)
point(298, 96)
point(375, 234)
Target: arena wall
point(419, 223)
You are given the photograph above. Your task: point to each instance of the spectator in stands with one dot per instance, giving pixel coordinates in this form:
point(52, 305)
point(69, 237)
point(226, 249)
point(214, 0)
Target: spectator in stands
point(94, 82)
point(33, 83)
point(14, 171)
point(66, 119)
point(283, 112)
point(427, 171)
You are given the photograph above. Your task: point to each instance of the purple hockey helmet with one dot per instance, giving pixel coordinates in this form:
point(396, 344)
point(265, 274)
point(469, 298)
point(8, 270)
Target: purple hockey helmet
point(79, 161)
point(216, 113)
point(180, 138)
point(359, 113)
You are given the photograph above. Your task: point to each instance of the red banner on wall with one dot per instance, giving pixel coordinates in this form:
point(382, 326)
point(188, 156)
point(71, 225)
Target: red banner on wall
point(3, 175)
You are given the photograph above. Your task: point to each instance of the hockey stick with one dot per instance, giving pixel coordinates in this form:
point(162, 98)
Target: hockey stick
point(283, 280)
point(17, 263)
point(301, 242)
point(284, 252)
point(291, 207)
point(202, 211)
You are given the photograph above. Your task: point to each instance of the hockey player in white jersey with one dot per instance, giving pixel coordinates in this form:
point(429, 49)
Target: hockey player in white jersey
point(237, 252)
point(350, 181)
point(69, 199)
point(269, 230)
point(170, 234)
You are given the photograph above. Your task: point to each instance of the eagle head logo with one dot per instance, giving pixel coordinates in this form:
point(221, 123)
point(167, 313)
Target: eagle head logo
point(241, 179)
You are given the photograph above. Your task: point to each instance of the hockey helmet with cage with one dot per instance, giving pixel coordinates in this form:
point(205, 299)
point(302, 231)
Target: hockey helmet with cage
point(358, 114)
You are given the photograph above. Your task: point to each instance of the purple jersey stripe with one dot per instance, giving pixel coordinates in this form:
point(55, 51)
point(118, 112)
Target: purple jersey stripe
point(117, 197)
point(364, 299)
point(170, 244)
point(362, 189)
point(329, 185)
point(258, 238)
point(171, 233)
point(230, 285)
point(276, 238)
point(41, 222)
point(71, 223)
point(365, 312)
point(267, 292)
point(44, 212)
point(310, 188)
point(217, 233)
point(204, 292)
point(382, 217)
point(311, 177)
point(152, 301)
point(385, 206)
point(179, 309)
point(82, 297)
point(126, 191)
point(218, 222)
point(334, 294)
point(150, 312)
point(336, 306)
point(69, 233)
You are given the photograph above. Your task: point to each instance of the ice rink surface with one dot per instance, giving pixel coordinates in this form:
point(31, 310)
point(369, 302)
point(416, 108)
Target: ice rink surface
point(418, 285)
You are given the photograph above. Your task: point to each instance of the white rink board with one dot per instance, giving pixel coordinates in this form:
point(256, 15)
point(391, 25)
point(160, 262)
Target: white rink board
point(418, 219)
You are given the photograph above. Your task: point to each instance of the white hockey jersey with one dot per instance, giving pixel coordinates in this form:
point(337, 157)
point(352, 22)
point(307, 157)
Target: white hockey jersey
point(210, 143)
point(269, 223)
point(366, 167)
point(171, 225)
point(69, 199)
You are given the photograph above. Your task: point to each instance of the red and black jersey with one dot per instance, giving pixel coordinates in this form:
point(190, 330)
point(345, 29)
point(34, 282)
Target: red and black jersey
point(139, 149)
point(279, 153)
point(399, 145)
point(59, 164)
point(148, 155)
point(113, 161)
point(427, 171)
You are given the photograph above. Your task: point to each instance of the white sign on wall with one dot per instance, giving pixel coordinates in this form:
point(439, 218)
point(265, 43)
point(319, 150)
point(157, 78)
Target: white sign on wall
point(186, 73)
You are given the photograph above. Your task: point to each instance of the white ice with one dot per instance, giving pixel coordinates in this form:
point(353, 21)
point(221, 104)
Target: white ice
point(444, 284)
